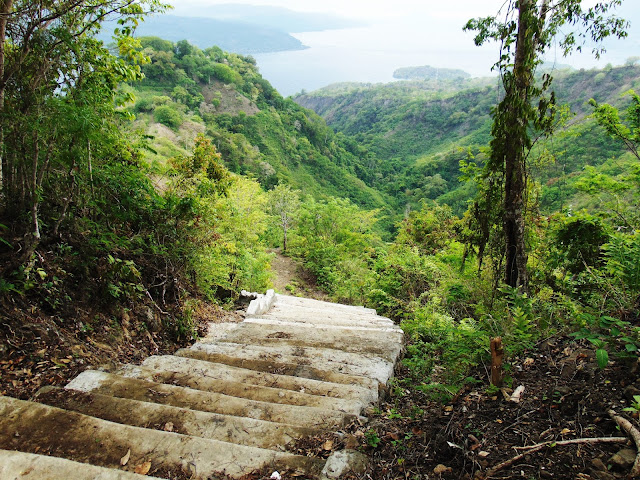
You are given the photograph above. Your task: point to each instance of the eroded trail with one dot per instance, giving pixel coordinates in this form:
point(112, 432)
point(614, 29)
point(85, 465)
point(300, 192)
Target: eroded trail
point(227, 407)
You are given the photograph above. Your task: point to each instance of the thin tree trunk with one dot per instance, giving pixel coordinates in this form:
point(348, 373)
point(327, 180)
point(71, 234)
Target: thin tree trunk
point(35, 224)
point(5, 9)
point(515, 184)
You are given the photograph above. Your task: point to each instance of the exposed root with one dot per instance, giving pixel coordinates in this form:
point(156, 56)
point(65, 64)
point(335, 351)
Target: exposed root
point(535, 448)
point(633, 432)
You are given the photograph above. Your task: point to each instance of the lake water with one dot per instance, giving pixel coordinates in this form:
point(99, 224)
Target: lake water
point(372, 53)
point(369, 54)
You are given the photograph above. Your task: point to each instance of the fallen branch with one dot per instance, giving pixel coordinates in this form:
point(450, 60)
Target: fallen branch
point(634, 433)
point(535, 448)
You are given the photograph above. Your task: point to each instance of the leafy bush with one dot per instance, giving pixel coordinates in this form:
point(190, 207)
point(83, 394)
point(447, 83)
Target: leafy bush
point(579, 240)
point(225, 73)
point(168, 116)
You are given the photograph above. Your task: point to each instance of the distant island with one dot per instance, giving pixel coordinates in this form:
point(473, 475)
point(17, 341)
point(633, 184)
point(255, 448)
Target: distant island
point(243, 29)
point(427, 72)
point(233, 36)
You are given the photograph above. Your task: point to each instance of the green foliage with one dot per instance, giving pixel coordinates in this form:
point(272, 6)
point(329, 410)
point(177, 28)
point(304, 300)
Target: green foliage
point(627, 132)
point(336, 238)
point(609, 335)
point(438, 339)
point(429, 229)
point(283, 205)
point(522, 330)
point(372, 438)
point(123, 278)
point(635, 405)
point(579, 240)
point(168, 116)
point(402, 275)
point(621, 255)
point(225, 73)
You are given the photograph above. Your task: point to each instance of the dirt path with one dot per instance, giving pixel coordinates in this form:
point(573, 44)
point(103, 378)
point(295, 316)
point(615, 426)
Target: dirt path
point(290, 278)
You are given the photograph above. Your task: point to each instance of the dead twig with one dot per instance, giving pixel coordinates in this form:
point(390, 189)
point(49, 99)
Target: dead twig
point(535, 448)
point(634, 433)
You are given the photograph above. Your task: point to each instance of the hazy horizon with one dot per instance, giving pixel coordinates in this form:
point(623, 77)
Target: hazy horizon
point(408, 33)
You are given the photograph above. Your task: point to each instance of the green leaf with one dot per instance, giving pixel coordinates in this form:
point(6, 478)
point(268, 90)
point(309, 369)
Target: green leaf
point(602, 357)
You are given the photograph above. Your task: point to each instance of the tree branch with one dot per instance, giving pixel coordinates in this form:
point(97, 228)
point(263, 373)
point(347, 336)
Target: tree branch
point(633, 432)
point(535, 448)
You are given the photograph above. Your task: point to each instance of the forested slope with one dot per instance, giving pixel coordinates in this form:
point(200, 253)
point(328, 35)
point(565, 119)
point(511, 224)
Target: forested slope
point(257, 131)
point(421, 130)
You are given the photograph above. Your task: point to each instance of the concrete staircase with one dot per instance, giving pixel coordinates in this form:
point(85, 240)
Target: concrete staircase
point(224, 408)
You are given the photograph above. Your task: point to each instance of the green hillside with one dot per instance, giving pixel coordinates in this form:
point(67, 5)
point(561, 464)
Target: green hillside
point(144, 187)
point(258, 132)
point(422, 129)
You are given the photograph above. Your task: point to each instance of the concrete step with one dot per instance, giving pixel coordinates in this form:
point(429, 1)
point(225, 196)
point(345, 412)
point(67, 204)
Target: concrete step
point(226, 407)
point(194, 374)
point(321, 323)
point(385, 344)
point(224, 367)
point(326, 359)
point(33, 427)
point(312, 303)
point(214, 426)
point(302, 313)
point(29, 466)
point(298, 373)
point(118, 386)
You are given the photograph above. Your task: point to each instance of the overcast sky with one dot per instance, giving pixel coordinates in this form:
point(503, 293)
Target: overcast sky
point(370, 9)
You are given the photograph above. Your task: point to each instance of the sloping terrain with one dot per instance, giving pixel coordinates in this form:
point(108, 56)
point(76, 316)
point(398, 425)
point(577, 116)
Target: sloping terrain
point(229, 406)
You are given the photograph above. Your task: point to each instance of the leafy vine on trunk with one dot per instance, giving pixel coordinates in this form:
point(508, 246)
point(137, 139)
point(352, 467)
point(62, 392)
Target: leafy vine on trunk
point(529, 28)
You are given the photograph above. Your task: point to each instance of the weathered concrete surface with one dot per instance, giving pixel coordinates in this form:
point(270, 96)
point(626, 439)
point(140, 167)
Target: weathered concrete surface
point(325, 315)
point(194, 374)
point(286, 380)
point(311, 303)
point(299, 370)
point(29, 466)
point(262, 304)
point(228, 406)
point(93, 381)
point(386, 344)
point(326, 359)
point(226, 428)
point(90, 440)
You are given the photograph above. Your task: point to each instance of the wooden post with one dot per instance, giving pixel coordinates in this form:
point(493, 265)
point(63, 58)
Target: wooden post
point(497, 354)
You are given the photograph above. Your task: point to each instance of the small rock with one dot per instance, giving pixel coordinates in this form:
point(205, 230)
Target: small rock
point(599, 465)
point(440, 469)
point(341, 462)
point(630, 392)
point(152, 322)
point(597, 475)
point(624, 459)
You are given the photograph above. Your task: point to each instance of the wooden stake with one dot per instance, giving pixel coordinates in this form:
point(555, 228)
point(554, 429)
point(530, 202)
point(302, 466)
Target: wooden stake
point(497, 354)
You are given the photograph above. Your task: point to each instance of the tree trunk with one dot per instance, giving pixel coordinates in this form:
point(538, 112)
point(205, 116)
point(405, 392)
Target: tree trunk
point(516, 103)
point(5, 9)
point(497, 354)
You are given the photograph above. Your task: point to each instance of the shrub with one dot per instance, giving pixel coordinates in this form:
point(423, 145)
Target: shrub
point(168, 116)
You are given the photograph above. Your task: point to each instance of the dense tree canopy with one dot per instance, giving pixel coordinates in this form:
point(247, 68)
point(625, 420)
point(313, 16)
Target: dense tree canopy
point(50, 68)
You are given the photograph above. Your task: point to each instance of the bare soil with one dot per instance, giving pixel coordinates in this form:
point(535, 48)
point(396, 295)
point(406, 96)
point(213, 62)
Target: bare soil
point(291, 278)
point(39, 349)
point(566, 396)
